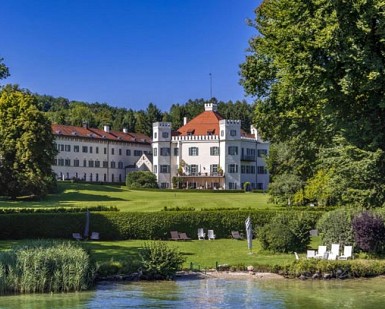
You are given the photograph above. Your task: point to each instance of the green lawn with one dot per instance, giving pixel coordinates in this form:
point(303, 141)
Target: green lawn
point(88, 195)
point(203, 253)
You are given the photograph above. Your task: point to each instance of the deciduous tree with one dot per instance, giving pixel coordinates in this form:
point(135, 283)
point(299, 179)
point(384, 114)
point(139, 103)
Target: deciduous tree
point(27, 146)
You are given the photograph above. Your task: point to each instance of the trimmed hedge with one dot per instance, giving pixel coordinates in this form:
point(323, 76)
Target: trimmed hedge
point(135, 225)
point(57, 209)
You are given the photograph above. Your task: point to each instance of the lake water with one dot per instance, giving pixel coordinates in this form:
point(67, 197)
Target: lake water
point(214, 293)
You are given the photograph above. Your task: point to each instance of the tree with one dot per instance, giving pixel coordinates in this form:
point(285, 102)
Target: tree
point(316, 71)
point(141, 179)
point(4, 71)
point(27, 146)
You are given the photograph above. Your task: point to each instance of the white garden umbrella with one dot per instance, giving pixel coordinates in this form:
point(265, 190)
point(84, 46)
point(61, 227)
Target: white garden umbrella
point(249, 233)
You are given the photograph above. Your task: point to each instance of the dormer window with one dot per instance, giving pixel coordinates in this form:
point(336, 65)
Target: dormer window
point(190, 132)
point(210, 132)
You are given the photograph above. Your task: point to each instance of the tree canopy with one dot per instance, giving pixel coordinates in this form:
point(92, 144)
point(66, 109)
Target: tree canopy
point(316, 69)
point(27, 146)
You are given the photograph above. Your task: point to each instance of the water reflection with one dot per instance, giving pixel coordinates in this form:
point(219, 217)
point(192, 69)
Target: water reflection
point(213, 293)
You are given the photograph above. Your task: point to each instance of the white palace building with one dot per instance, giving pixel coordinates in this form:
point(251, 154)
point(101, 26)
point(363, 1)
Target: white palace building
point(208, 152)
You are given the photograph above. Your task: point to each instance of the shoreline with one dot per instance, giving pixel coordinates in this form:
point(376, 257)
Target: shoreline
point(236, 275)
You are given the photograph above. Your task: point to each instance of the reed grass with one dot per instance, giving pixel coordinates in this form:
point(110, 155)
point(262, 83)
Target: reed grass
point(45, 266)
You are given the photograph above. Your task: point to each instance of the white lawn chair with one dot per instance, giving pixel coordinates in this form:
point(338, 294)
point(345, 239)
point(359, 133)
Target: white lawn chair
point(334, 252)
point(94, 236)
point(210, 234)
point(347, 253)
point(321, 253)
point(310, 254)
point(201, 234)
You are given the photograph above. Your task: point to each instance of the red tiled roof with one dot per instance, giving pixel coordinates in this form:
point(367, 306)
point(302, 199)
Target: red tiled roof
point(208, 121)
point(64, 130)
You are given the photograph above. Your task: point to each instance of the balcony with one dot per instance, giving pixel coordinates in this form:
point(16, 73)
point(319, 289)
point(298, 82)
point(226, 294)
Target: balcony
point(248, 158)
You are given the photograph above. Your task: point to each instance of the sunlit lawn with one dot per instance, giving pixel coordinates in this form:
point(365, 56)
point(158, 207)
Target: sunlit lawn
point(202, 253)
point(88, 195)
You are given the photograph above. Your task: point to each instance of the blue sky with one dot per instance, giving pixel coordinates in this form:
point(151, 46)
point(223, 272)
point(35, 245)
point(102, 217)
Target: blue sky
point(127, 53)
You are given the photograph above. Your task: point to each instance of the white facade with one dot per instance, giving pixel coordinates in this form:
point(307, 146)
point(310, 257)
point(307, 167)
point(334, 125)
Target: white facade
point(199, 150)
point(97, 155)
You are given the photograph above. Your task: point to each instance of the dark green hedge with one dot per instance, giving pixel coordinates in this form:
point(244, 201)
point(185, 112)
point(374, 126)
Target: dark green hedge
point(127, 225)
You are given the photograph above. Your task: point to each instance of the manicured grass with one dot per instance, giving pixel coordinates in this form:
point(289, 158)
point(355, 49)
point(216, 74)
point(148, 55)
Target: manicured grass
point(202, 253)
point(88, 195)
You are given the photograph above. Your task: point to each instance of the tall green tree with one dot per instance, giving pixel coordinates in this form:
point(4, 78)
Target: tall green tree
point(27, 147)
point(316, 69)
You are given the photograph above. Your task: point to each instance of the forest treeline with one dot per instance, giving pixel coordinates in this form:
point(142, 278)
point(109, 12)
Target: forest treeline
point(63, 111)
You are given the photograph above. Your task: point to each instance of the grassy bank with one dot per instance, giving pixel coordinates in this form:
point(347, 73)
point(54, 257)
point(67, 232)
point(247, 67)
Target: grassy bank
point(89, 195)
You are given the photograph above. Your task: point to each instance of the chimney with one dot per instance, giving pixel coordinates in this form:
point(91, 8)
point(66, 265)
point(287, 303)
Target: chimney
point(184, 121)
point(107, 128)
point(85, 124)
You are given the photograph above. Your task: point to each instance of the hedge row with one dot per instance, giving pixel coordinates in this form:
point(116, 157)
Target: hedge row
point(126, 225)
point(57, 209)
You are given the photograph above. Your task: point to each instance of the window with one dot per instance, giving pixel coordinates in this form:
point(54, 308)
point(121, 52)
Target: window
point(67, 162)
point(165, 169)
point(120, 164)
point(233, 168)
point(55, 162)
point(90, 176)
point(165, 134)
point(105, 150)
point(105, 164)
point(76, 148)
point(76, 162)
point(90, 149)
point(138, 153)
point(165, 151)
point(120, 152)
point(96, 177)
point(91, 163)
point(67, 147)
point(97, 163)
point(113, 164)
point(85, 163)
point(222, 133)
point(97, 151)
point(214, 151)
point(61, 162)
point(155, 152)
point(112, 151)
point(232, 185)
point(155, 135)
point(233, 132)
point(261, 170)
point(155, 169)
point(233, 150)
point(165, 185)
point(194, 169)
point(61, 147)
point(85, 149)
point(176, 151)
point(128, 152)
point(193, 151)
point(262, 152)
point(213, 168)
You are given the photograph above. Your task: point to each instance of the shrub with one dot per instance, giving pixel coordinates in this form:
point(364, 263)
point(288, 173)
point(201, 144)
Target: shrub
point(141, 179)
point(277, 237)
point(336, 227)
point(159, 261)
point(287, 232)
point(46, 266)
point(369, 232)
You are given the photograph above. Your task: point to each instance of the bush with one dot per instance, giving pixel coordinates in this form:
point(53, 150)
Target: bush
point(45, 266)
point(159, 261)
point(336, 227)
point(277, 237)
point(294, 228)
point(369, 232)
point(141, 179)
